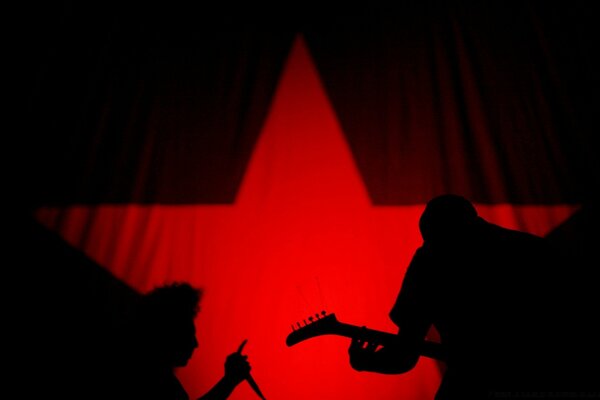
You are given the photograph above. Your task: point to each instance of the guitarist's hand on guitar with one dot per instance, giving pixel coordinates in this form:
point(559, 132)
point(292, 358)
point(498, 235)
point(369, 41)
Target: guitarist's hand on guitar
point(362, 354)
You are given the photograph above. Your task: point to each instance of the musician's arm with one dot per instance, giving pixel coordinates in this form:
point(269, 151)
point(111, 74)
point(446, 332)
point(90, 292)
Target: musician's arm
point(237, 369)
point(412, 314)
point(221, 390)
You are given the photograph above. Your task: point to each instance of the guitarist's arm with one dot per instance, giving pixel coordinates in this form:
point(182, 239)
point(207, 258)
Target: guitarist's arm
point(411, 313)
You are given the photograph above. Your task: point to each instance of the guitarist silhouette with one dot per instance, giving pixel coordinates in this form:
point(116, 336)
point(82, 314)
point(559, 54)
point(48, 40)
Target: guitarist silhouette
point(492, 295)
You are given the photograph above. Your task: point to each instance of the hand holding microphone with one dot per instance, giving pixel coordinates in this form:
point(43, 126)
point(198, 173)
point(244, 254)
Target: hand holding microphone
point(237, 368)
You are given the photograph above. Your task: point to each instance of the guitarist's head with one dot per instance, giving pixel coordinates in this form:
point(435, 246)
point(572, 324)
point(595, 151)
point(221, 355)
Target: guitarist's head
point(447, 218)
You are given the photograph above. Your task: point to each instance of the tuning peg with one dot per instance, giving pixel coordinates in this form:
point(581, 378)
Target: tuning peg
point(293, 328)
point(299, 326)
point(323, 313)
point(311, 319)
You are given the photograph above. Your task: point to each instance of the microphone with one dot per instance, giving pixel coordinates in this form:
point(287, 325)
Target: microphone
point(249, 378)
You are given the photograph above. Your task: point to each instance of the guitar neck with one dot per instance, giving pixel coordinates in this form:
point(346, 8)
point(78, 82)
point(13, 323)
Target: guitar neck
point(428, 348)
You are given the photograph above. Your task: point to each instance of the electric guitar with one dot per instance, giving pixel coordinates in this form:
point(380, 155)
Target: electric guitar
point(323, 324)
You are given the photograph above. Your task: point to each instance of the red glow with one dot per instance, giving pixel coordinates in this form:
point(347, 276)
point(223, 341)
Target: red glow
point(301, 237)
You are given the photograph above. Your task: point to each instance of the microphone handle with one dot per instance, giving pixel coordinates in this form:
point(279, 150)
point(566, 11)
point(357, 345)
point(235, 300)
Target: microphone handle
point(255, 387)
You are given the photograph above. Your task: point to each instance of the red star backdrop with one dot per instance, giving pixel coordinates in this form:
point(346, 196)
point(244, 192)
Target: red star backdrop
point(283, 169)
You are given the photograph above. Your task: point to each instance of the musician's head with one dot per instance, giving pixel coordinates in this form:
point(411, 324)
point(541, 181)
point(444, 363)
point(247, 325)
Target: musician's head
point(166, 318)
point(447, 218)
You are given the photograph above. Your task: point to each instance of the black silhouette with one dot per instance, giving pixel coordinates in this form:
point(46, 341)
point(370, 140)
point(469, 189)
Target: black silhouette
point(495, 297)
point(162, 337)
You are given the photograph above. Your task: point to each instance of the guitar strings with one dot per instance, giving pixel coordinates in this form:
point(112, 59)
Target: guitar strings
point(321, 297)
point(303, 297)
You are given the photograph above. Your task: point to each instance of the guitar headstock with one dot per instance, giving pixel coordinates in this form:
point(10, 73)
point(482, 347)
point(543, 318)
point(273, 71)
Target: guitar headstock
point(315, 325)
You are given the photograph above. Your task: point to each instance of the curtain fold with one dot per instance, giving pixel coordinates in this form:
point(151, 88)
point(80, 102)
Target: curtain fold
point(160, 104)
point(472, 99)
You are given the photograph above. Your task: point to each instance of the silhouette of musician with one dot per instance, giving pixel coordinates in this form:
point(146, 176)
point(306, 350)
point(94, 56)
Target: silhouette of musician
point(492, 294)
point(163, 338)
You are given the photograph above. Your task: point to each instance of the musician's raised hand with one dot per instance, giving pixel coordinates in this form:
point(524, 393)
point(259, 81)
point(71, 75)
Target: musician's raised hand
point(237, 367)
